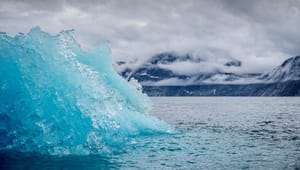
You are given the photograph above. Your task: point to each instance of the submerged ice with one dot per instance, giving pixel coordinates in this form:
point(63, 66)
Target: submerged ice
point(56, 98)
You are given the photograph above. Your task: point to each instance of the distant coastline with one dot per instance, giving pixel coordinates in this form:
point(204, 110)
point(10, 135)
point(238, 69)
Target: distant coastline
point(288, 88)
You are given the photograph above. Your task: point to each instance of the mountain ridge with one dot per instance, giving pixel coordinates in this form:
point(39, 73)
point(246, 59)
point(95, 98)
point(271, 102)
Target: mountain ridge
point(158, 77)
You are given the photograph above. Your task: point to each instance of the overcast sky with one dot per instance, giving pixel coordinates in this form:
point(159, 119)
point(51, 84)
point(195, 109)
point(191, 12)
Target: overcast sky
point(260, 33)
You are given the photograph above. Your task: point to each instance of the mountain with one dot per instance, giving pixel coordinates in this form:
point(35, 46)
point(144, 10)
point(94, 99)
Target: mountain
point(172, 69)
point(288, 70)
point(169, 74)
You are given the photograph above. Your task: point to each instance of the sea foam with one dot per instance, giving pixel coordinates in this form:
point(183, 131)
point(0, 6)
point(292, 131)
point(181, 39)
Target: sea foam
point(56, 98)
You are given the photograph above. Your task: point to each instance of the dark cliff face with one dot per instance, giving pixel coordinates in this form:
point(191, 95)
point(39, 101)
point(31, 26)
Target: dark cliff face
point(283, 80)
point(166, 58)
point(234, 63)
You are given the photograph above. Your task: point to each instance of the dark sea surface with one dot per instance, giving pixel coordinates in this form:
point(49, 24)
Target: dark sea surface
point(214, 133)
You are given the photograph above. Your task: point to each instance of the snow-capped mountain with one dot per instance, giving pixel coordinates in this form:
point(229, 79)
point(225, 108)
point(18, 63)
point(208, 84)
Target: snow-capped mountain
point(288, 70)
point(172, 69)
point(171, 74)
point(167, 69)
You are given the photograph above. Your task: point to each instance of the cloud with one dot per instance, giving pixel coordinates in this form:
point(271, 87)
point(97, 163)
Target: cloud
point(260, 33)
point(191, 68)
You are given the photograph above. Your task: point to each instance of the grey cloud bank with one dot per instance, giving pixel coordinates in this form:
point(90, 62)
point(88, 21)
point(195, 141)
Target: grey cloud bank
point(259, 33)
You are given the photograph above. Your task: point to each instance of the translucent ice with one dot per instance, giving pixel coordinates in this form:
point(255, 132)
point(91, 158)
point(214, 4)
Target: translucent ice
point(56, 98)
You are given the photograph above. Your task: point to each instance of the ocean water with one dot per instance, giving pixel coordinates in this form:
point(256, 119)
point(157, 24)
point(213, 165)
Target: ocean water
point(213, 133)
point(62, 107)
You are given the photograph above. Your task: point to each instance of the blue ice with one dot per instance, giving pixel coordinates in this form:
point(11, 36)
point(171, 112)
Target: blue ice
point(56, 98)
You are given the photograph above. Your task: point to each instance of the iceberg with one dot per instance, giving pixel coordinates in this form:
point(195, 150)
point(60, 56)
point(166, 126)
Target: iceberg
point(58, 99)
